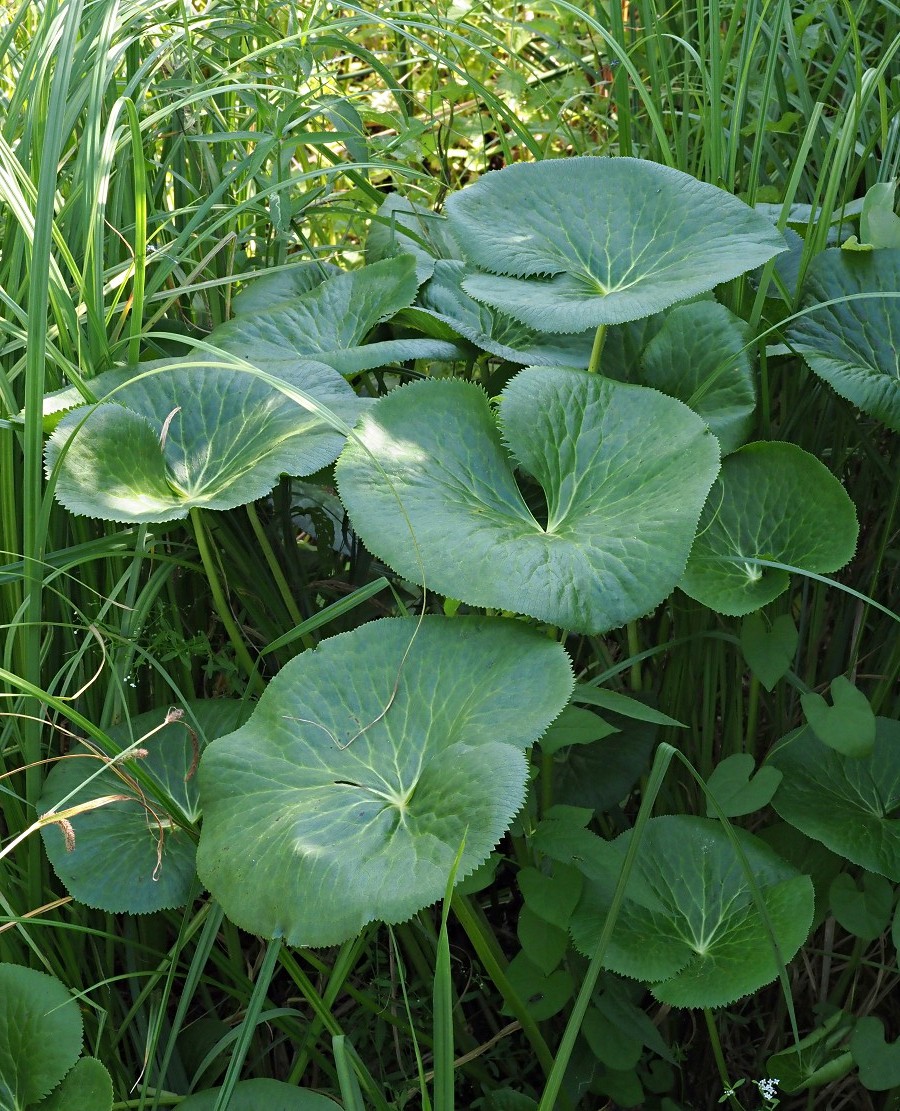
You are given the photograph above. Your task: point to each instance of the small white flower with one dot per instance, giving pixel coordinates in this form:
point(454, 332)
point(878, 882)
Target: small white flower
point(767, 1087)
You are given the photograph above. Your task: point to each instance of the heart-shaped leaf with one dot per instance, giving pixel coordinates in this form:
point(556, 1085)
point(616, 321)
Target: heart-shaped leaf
point(700, 356)
point(879, 225)
point(848, 803)
point(542, 943)
point(193, 433)
point(346, 796)
point(40, 1035)
point(864, 913)
point(551, 897)
point(737, 790)
point(86, 1087)
point(127, 858)
point(819, 1058)
point(852, 344)
point(878, 1060)
point(848, 725)
point(769, 651)
point(771, 501)
point(330, 322)
point(624, 471)
point(689, 924)
point(493, 331)
point(615, 1047)
point(620, 238)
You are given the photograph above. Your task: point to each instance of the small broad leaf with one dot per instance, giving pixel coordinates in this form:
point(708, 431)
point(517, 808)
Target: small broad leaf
point(569, 244)
point(848, 803)
point(175, 435)
point(127, 858)
point(86, 1087)
point(346, 796)
point(771, 501)
point(700, 356)
point(878, 1059)
point(769, 650)
point(256, 1095)
point(624, 471)
point(737, 790)
point(542, 943)
point(864, 913)
point(40, 1035)
point(615, 1047)
point(575, 727)
point(689, 924)
point(852, 343)
point(551, 897)
point(494, 331)
point(849, 725)
point(544, 996)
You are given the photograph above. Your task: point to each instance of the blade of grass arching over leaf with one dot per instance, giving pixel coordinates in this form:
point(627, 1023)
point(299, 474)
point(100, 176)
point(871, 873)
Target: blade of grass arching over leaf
point(444, 1072)
point(33, 438)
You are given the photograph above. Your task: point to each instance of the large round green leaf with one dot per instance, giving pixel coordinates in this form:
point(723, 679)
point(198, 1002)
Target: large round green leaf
point(624, 471)
point(329, 323)
point(125, 858)
point(850, 804)
point(689, 924)
point(402, 227)
point(573, 243)
point(365, 766)
point(86, 1087)
point(40, 1035)
point(853, 344)
point(190, 433)
point(771, 501)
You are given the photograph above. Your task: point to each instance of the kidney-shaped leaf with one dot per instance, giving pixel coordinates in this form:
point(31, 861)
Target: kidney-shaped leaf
point(126, 858)
point(402, 227)
point(266, 290)
point(850, 804)
point(86, 1087)
point(624, 471)
point(189, 433)
point(347, 795)
point(40, 1035)
point(573, 243)
point(852, 344)
point(689, 923)
point(771, 501)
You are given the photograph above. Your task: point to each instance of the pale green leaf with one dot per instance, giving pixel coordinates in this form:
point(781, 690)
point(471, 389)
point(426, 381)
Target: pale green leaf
point(430, 488)
point(125, 857)
point(848, 803)
point(737, 790)
point(267, 290)
point(403, 227)
point(573, 243)
point(346, 796)
point(689, 924)
point(854, 344)
point(189, 433)
point(771, 501)
point(769, 651)
point(877, 1058)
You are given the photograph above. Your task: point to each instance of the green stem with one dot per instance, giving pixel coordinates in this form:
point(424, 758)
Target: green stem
point(720, 1058)
point(277, 574)
point(481, 944)
point(597, 350)
point(634, 650)
point(752, 716)
point(221, 602)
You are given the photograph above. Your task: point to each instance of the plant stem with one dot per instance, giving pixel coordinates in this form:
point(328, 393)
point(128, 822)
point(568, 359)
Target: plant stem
point(221, 602)
point(719, 1056)
point(597, 350)
point(634, 650)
